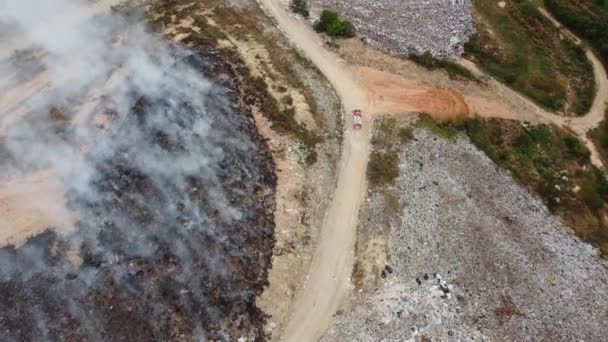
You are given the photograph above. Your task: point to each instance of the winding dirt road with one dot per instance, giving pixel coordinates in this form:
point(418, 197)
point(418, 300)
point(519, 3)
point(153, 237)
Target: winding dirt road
point(580, 125)
point(328, 281)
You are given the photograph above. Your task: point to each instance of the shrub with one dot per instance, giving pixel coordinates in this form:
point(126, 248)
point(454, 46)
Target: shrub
point(427, 60)
point(348, 29)
point(326, 20)
point(300, 7)
point(591, 196)
point(576, 149)
point(330, 23)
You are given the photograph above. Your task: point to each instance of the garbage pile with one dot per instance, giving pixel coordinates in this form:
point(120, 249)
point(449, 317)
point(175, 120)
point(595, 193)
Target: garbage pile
point(409, 26)
point(475, 257)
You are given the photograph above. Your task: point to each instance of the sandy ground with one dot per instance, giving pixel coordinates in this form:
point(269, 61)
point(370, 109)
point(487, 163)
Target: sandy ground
point(328, 281)
point(34, 201)
point(31, 204)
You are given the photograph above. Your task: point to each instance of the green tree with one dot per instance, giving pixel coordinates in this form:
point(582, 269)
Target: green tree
point(300, 7)
point(330, 23)
point(327, 19)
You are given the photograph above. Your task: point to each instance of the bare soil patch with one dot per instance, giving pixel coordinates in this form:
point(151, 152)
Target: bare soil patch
point(32, 204)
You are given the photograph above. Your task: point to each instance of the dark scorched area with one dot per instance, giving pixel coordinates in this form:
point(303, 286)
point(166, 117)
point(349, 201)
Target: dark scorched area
point(165, 255)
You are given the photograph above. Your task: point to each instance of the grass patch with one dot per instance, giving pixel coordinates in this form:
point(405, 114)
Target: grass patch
point(454, 70)
point(284, 121)
point(599, 136)
point(444, 130)
point(524, 50)
point(387, 139)
point(588, 19)
point(552, 163)
point(383, 167)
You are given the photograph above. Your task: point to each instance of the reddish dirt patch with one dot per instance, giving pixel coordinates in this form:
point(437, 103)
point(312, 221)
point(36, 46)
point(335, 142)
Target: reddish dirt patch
point(391, 93)
point(443, 104)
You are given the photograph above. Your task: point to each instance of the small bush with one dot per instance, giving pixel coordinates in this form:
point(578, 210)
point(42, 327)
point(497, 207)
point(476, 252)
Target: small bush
point(406, 134)
point(330, 23)
point(576, 149)
point(300, 7)
point(427, 60)
point(591, 196)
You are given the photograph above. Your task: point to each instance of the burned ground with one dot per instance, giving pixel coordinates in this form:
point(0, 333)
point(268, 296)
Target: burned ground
point(162, 253)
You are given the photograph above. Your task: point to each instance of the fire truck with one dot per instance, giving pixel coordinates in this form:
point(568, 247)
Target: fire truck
point(357, 121)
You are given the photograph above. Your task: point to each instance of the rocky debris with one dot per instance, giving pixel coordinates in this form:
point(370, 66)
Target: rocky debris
point(171, 253)
point(476, 257)
point(440, 27)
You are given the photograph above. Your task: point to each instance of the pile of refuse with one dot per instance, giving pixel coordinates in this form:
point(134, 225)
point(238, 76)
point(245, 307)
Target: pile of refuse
point(474, 257)
point(409, 26)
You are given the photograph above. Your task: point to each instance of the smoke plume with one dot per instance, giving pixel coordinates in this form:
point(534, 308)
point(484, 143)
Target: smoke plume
point(170, 182)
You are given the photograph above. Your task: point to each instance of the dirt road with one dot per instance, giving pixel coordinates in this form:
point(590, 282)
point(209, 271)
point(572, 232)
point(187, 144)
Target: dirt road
point(580, 125)
point(583, 124)
point(328, 281)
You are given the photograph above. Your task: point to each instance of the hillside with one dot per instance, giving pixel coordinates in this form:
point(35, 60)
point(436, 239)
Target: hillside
point(452, 247)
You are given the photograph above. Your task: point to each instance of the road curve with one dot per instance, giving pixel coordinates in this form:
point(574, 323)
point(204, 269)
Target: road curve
point(329, 277)
point(580, 125)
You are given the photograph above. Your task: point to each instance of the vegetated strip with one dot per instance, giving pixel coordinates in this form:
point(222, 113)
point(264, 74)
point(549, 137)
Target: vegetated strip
point(524, 50)
point(588, 19)
point(387, 139)
point(454, 70)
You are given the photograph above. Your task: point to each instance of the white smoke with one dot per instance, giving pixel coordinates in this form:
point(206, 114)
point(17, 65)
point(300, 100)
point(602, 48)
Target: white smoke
point(161, 182)
point(94, 61)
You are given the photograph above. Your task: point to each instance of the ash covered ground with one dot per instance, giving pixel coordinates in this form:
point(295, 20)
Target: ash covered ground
point(175, 196)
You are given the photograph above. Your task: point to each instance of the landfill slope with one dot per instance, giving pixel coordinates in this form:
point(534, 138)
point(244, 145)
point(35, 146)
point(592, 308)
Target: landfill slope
point(473, 255)
point(409, 27)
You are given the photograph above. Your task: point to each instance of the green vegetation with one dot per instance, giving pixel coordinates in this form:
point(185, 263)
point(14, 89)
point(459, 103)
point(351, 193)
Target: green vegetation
point(300, 7)
point(284, 121)
point(453, 69)
point(524, 50)
point(287, 66)
point(330, 23)
point(388, 137)
point(588, 19)
point(554, 164)
point(442, 129)
point(599, 136)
